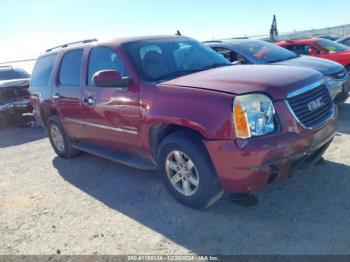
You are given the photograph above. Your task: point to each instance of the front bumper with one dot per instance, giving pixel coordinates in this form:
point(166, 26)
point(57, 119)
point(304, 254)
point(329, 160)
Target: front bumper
point(249, 165)
point(339, 90)
point(17, 106)
point(344, 94)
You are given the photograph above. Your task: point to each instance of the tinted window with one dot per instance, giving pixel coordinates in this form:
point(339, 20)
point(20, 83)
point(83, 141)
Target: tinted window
point(300, 49)
point(331, 46)
point(265, 52)
point(42, 70)
point(104, 58)
point(162, 59)
point(70, 70)
point(227, 53)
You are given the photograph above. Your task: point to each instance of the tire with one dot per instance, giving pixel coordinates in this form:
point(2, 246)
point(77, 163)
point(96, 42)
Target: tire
point(64, 147)
point(203, 186)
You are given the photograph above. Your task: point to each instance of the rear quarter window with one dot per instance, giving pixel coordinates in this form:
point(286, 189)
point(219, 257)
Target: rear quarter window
point(42, 70)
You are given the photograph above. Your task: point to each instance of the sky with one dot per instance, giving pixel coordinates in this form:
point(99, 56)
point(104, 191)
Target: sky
point(28, 27)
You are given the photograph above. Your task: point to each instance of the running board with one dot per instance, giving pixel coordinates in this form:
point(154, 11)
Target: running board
point(122, 158)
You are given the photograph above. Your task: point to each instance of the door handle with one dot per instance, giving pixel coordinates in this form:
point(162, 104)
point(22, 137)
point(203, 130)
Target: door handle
point(55, 97)
point(89, 101)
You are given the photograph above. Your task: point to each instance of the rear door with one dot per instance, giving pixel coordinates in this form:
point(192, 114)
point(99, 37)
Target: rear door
point(112, 115)
point(67, 93)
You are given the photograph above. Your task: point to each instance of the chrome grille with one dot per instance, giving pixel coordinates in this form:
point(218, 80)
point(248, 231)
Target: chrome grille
point(313, 107)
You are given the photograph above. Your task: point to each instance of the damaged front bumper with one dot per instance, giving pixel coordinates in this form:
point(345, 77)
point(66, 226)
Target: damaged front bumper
point(249, 165)
point(16, 106)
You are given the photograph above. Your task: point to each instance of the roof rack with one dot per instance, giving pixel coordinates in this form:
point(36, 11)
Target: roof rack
point(72, 43)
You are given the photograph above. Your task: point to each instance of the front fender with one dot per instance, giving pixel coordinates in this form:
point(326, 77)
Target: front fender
point(206, 112)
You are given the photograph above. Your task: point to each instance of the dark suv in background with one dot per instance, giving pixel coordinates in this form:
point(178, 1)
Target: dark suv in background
point(173, 104)
point(14, 92)
point(250, 51)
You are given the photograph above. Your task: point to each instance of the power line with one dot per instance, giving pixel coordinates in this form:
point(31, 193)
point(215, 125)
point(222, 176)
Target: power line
point(18, 61)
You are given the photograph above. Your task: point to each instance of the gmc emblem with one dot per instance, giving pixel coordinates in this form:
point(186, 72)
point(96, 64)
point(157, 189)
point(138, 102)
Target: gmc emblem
point(315, 104)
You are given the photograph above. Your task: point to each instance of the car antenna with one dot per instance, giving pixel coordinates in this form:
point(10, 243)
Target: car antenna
point(178, 32)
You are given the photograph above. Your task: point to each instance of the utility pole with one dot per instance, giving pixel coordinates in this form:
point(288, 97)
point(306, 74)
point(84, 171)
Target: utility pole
point(273, 30)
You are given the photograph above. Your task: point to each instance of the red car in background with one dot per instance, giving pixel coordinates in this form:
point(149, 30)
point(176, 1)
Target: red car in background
point(319, 47)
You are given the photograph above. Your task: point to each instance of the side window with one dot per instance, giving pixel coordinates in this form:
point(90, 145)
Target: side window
point(70, 70)
point(227, 53)
point(347, 42)
point(301, 49)
point(289, 47)
point(104, 58)
point(42, 70)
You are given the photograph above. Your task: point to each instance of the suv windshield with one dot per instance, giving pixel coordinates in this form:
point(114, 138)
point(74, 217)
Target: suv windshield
point(163, 59)
point(10, 74)
point(266, 52)
point(331, 46)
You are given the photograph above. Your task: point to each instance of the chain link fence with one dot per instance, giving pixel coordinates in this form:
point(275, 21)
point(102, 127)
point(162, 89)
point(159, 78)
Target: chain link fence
point(336, 31)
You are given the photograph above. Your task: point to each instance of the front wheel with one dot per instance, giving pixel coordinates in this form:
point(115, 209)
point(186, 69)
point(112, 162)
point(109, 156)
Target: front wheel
point(187, 170)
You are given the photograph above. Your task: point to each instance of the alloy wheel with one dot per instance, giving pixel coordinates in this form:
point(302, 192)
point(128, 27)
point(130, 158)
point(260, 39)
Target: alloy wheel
point(182, 173)
point(57, 138)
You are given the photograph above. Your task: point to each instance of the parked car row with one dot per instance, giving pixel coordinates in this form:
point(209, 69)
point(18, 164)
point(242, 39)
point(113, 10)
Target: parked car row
point(172, 103)
point(248, 51)
point(322, 48)
point(345, 40)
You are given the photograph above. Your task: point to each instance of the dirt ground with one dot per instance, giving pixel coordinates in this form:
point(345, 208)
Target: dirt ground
point(89, 205)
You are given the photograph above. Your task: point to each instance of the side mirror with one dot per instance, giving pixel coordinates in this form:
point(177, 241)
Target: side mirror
point(110, 78)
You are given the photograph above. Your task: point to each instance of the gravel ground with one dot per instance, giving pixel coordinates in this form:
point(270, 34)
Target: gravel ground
point(90, 205)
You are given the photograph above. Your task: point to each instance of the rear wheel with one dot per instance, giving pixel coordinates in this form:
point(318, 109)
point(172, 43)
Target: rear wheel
point(187, 171)
point(59, 139)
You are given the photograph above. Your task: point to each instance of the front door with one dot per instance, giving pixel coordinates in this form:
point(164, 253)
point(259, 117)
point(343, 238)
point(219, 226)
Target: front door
point(112, 115)
point(67, 93)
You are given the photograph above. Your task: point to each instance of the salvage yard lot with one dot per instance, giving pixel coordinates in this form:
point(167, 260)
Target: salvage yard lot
point(89, 205)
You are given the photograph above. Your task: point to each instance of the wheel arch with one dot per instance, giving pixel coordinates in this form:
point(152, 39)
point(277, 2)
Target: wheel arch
point(46, 113)
point(159, 131)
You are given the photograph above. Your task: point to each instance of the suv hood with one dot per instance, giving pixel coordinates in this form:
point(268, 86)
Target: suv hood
point(276, 81)
point(326, 67)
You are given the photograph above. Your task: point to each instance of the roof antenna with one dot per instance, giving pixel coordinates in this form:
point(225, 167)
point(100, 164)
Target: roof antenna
point(178, 32)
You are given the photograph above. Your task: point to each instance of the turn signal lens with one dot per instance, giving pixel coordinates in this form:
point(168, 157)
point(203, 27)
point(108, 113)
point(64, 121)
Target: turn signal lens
point(241, 123)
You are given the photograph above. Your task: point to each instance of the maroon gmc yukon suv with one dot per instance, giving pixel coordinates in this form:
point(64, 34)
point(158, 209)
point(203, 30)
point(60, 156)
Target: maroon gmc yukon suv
point(173, 104)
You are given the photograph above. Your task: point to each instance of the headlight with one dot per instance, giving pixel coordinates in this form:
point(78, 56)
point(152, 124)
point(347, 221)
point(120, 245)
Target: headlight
point(254, 115)
point(334, 86)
